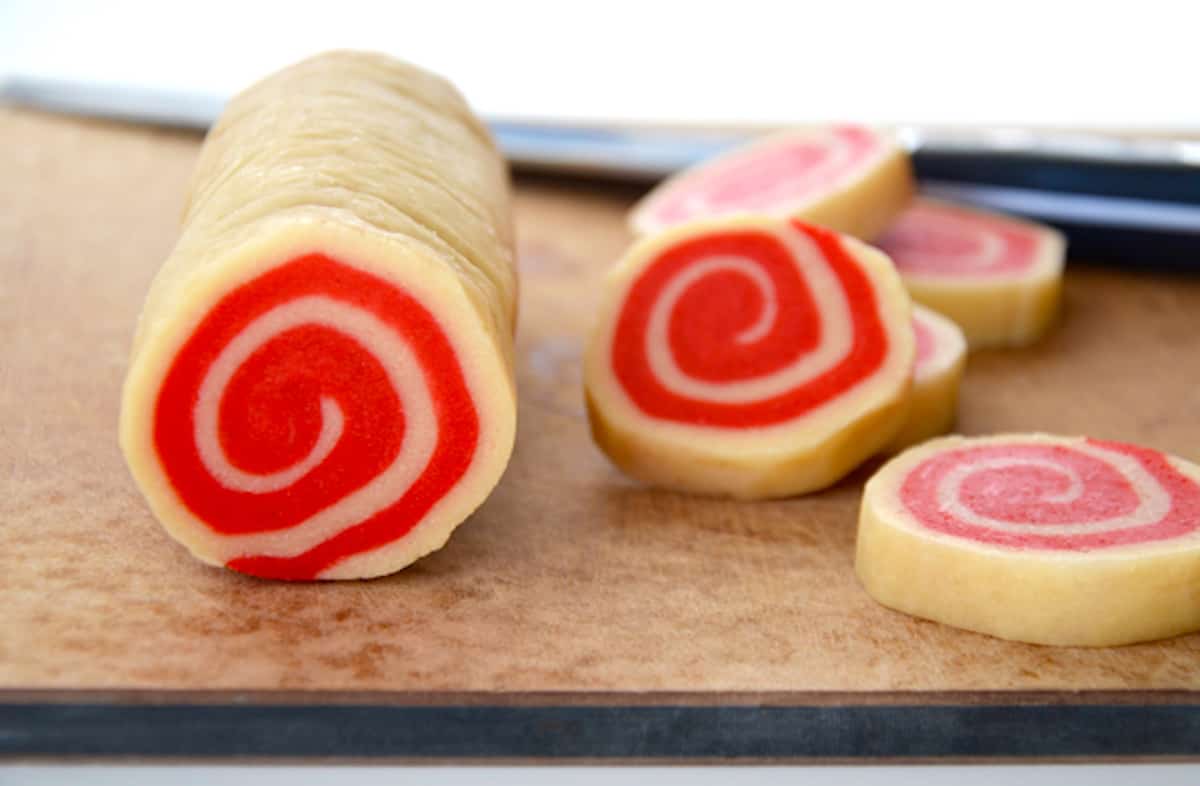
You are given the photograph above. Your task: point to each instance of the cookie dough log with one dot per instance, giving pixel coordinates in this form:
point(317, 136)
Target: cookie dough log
point(847, 178)
point(750, 356)
point(1043, 539)
point(941, 358)
point(999, 278)
point(321, 382)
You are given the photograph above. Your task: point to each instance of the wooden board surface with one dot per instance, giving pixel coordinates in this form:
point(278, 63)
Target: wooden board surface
point(570, 578)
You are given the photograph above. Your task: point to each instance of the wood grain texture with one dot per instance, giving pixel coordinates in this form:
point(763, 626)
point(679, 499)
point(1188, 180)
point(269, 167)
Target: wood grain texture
point(570, 578)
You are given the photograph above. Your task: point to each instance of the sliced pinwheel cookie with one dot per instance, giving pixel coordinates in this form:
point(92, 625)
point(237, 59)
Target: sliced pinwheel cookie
point(1038, 538)
point(752, 357)
point(848, 178)
point(941, 359)
point(998, 278)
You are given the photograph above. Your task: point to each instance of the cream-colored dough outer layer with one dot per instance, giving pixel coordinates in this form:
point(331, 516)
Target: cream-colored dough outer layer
point(798, 455)
point(382, 167)
point(1091, 598)
point(1005, 309)
point(933, 402)
point(862, 203)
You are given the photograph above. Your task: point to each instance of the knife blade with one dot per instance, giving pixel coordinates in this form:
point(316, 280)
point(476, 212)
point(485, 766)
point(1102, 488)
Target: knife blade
point(1134, 201)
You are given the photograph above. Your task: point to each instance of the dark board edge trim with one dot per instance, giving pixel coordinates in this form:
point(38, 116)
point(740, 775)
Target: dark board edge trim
point(661, 732)
point(586, 761)
point(153, 696)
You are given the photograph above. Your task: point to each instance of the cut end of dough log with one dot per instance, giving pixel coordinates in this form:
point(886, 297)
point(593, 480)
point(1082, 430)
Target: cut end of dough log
point(997, 277)
point(847, 178)
point(749, 356)
point(1037, 538)
point(941, 359)
point(320, 419)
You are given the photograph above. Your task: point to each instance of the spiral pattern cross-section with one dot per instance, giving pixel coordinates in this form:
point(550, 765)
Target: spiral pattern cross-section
point(1070, 496)
point(316, 413)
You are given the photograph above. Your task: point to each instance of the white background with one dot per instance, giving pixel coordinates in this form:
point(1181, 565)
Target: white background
point(1098, 63)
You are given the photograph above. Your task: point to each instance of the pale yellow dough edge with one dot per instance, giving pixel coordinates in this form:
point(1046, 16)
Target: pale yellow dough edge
point(861, 207)
point(1094, 599)
point(1001, 311)
point(777, 461)
point(933, 402)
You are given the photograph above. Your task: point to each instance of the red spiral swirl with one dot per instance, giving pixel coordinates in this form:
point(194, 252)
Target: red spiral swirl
point(1073, 496)
point(270, 415)
point(712, 311)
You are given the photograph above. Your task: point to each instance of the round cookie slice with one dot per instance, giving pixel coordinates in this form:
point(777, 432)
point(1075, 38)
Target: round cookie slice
point(848, 178)
point(941, 358)
point(1037, 538)
point(998, 278)
point(751, 357)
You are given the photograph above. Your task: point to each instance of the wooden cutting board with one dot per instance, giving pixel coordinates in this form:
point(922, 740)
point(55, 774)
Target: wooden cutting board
point(571, 588)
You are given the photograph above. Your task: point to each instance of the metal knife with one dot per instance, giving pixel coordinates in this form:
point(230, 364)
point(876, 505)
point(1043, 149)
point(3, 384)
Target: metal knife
point(1131, 201)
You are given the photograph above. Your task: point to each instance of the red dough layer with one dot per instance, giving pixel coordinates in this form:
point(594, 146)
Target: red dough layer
point(932, 240)
point(1018, 495)
point(774, 175)
point(270, 415)
point(705, 347)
